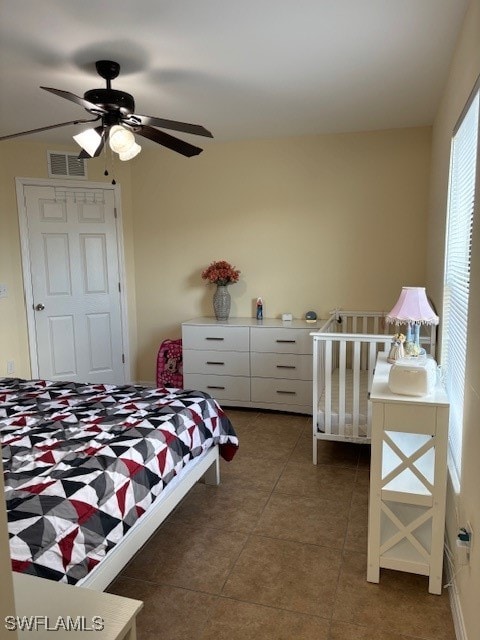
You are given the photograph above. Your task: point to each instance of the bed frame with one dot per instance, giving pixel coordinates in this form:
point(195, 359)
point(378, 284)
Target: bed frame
point(344, 355)
point(207, 465)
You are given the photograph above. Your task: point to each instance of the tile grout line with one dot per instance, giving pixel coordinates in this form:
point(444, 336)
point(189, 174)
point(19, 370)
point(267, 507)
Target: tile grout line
point(337, 584)
point(249, 535)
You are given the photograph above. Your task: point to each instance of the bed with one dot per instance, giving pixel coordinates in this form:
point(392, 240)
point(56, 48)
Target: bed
point(92, 470)
point(345, 351)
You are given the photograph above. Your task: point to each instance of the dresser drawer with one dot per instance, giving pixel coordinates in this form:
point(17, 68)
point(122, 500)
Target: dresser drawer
point(217, 338)
point(282, 340)
point(412, 418)
point(219, 387)
point(281, 391)
point(281, 365)
point(228, 363)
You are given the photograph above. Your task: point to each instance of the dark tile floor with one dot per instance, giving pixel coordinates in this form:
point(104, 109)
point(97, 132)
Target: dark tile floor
point(277, 551)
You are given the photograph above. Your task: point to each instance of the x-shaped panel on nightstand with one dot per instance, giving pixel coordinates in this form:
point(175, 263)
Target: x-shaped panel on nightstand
point(407, 462)
point(406, 531)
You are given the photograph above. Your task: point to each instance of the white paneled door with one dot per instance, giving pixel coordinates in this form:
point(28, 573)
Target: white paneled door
point(75, 283)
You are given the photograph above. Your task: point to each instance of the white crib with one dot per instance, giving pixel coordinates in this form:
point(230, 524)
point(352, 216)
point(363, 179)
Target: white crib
point(344, 354)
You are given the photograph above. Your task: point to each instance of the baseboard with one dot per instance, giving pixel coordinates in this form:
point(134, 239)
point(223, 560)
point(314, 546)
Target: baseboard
point(145, 383)
point(455, 606)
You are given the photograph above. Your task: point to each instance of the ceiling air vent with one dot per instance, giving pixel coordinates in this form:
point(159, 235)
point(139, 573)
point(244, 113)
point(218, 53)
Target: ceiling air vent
point(66, 165)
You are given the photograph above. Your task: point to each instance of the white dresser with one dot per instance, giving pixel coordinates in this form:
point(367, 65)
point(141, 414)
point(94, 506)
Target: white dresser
point(407, 480)
point(245, 362)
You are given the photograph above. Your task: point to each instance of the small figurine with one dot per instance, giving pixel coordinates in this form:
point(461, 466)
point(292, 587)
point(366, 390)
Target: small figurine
point(259, 309)
point(397, 349)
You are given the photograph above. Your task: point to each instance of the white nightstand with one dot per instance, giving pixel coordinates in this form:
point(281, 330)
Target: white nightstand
point(407, 481)
point(50, 604)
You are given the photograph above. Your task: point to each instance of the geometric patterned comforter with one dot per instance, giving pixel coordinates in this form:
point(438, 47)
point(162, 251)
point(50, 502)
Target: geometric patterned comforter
point(83, 462)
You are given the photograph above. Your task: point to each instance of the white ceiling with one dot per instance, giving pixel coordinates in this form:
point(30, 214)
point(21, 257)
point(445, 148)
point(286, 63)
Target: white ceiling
point(242, 68)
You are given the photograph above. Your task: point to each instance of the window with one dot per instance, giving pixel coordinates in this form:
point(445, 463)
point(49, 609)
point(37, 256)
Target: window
point(461, 204)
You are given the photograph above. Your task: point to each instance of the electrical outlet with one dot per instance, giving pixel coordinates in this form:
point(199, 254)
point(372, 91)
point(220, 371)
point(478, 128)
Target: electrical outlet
point(3, 291)
point(10, 367)
point(464, 544)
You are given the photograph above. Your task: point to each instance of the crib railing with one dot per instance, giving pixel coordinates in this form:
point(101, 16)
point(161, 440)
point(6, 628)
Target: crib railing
point(365, 322)
point(346, 352)
point(373, 322)
point(355, 323)
point(349, 341)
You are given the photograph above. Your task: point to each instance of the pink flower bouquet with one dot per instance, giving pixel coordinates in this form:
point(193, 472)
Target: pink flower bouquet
point(221, 272)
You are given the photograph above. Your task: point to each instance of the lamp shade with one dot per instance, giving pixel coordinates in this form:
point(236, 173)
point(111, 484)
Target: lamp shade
point(412, 307)
point(89, 140)
point(120, 139)
point(130, 153)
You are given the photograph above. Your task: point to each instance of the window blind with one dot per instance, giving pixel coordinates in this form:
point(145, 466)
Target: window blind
point(461, 204)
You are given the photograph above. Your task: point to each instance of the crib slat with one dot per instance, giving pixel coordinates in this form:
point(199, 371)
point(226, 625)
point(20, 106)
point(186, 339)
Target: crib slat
point(316, 389)
point(356, 387)
point(342, 365)
point(363, 345)
point(365, 324)
point(328, 386)
point(372, 357)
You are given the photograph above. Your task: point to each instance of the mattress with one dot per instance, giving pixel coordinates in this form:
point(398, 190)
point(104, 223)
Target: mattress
point(84, 462)
point(362, 404)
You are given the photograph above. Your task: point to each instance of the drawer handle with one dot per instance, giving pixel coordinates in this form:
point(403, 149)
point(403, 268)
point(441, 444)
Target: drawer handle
point(286, 366)
point(287, 341)
point(219, 339)
point(213, 362)
point(212, 386)
point(287, 393)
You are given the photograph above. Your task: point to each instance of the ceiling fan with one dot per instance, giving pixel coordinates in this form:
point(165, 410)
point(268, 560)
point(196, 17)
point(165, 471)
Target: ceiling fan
point(115, 109)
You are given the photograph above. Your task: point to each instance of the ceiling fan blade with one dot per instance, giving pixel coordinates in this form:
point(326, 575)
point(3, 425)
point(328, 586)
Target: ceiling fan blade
point(185, 127)
point(51, 126)
point(165, 139)
point(89, 106)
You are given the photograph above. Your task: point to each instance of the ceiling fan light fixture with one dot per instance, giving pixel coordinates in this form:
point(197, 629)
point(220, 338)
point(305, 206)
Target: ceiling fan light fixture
point(131, 153)
point(88, 140)
point(118, 122)
point(120, 139)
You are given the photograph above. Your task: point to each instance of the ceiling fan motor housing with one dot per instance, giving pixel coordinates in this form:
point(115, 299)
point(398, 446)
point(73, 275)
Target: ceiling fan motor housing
point(111, 99)
point(107, 69)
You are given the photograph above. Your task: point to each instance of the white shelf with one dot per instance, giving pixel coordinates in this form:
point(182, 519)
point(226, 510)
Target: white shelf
point(407, 481)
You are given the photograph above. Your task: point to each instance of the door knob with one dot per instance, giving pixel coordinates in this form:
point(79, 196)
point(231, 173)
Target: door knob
point(40, 307)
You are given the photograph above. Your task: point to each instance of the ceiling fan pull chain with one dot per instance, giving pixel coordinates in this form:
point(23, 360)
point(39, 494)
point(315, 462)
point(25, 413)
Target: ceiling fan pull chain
point(105, 173)
point(112, 164)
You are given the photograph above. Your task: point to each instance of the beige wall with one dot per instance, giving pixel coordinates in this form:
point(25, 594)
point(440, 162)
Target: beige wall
point(29, 160)
point(311, 222)
point(464, 505)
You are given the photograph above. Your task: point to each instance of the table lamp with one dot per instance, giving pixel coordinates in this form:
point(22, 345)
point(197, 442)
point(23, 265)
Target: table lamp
point(412, 308)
